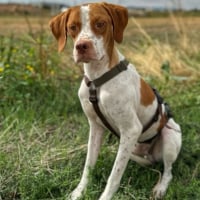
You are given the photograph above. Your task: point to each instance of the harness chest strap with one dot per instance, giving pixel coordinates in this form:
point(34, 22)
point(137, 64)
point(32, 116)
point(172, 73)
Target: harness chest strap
point(122, 66)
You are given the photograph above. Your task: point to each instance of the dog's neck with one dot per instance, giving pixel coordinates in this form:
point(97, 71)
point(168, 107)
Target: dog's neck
point(95, 69)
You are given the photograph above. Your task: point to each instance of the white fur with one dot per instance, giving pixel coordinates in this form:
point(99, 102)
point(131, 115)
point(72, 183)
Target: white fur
point(87, 34)
point(119, 101)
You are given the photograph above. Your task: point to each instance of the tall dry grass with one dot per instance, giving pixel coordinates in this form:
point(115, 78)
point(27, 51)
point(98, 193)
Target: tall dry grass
point(179, 56)
point(179, 48)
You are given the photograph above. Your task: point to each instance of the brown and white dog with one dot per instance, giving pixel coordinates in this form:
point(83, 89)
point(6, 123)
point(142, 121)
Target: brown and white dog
point(127, 101)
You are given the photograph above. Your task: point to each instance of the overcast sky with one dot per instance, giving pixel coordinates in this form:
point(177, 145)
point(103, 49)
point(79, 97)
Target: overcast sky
point(185, 4)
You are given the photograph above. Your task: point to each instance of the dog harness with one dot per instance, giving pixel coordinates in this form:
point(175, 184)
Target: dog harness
point(93, 98)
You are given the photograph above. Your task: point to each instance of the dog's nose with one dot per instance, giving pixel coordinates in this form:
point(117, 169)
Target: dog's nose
point(82, 46)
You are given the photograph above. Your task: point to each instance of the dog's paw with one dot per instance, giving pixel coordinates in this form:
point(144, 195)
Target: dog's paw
point(159, 191)
point(76, 194)
point(102, 198)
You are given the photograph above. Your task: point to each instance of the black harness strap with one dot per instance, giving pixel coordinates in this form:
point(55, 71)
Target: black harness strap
point(122, 66)
point(94, 100)
point(158, 111)
point(153, 119)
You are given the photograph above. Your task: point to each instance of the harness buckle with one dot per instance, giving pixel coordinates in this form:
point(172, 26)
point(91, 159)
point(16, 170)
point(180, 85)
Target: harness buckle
point(93, 99)
point(93, 93)
point(168, 111)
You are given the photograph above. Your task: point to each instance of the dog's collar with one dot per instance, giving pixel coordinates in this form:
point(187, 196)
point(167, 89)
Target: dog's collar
point(122, 66)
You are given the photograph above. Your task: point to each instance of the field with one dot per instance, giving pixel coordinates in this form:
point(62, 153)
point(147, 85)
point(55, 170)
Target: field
point(43, 131)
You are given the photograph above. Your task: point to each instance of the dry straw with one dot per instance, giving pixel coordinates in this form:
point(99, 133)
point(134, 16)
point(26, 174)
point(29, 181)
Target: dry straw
point(150, 59)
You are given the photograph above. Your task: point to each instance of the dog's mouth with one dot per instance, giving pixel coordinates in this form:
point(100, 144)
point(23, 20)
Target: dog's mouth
point(84, 58)
point(87, 57)
point(84, 51)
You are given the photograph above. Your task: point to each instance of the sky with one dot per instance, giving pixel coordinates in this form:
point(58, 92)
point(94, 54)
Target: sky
point(156, 4)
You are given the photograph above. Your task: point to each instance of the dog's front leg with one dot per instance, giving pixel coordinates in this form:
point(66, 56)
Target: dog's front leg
point(127, 141)
point(94, 143)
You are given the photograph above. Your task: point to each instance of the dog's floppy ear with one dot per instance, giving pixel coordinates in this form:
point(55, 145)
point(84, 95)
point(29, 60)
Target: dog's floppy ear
point(119, 16)
point(58, 28)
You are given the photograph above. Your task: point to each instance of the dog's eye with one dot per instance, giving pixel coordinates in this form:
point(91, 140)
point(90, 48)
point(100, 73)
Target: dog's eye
point(73, 27)
point(99, 25)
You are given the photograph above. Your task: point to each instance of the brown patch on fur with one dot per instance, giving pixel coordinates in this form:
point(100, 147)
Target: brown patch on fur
point(109, 21)
point(65, 23)
point(114, 59)
point(119, 16)
point(147, 94)
point(101, 25)
point(74, 22)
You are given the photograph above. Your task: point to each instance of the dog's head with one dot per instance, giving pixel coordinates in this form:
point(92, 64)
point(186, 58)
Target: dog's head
point(93, 27)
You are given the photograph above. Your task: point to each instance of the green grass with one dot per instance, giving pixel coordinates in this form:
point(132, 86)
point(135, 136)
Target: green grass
point(43, 131)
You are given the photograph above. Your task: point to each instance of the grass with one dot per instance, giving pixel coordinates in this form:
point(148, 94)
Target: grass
point(43, 131)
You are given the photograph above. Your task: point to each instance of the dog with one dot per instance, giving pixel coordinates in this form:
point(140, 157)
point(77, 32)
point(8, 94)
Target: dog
point(136, 113)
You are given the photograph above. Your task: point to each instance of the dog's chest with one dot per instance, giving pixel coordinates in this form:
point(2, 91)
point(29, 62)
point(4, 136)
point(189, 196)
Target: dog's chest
point(119, 100)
